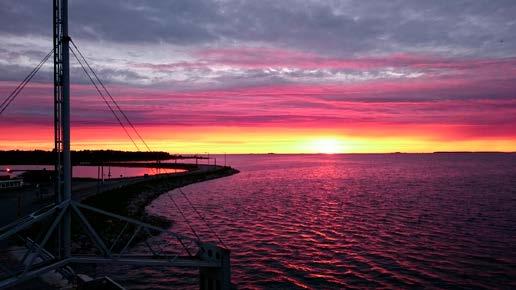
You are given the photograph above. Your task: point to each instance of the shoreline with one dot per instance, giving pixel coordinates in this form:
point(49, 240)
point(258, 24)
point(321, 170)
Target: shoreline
point(131, 200)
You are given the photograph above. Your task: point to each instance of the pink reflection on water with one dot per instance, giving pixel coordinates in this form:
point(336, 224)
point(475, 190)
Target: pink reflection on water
point(93, 171)
point(118, 172)
point(358, 221)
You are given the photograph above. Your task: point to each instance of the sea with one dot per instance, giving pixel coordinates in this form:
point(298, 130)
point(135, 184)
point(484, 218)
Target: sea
point(350, 221)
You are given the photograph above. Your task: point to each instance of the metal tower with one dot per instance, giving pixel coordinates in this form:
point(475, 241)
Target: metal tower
point(63, 166)
point(176, 250)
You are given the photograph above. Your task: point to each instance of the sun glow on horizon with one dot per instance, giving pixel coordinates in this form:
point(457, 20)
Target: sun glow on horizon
point(327, 146)
point(258, 140)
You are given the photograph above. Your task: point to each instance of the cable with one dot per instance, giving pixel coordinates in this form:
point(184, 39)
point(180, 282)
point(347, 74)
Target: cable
point(110, 96)
point(184, 217)
point(9, 99)
point(112, 99)
point(202, 217)
point(27, 79)
point(104, 98)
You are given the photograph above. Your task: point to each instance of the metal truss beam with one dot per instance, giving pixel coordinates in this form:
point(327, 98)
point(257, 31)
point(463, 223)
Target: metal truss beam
point(28, 221)
point(134, 221)
point(142, 260)
point(208, 256)
point(32, 273)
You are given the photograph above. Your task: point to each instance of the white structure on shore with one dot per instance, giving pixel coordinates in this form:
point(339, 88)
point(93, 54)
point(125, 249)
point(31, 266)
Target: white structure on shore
point(11, 183)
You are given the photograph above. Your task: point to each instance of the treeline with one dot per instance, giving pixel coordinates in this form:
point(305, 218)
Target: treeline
point(49, 157)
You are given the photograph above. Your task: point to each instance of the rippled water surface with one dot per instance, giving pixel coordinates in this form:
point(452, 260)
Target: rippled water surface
point(355, 221)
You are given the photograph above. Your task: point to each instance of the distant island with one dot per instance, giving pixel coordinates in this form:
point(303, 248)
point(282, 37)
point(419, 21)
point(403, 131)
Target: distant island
point(13, 157)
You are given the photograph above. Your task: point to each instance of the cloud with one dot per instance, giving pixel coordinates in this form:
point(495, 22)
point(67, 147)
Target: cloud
point(361, 67)
point(329, 27)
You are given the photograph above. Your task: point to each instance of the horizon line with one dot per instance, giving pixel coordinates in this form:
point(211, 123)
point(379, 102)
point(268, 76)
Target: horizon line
point(281, 153)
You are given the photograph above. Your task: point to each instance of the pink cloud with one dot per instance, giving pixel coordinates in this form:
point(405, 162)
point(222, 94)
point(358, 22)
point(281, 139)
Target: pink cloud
point(266, 58)
point(453, 99)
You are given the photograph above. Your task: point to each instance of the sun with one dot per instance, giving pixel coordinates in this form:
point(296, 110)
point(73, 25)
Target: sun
point(327, 146)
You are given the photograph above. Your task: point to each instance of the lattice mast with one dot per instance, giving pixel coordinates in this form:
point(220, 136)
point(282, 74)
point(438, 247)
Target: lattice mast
point(63, 166)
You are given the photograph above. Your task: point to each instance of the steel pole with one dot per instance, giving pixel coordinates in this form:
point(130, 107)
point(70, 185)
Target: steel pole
point(65, 123)
point(67, 164)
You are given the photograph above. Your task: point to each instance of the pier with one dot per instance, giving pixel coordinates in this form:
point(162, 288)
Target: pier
point(17, 201)
point(121, 201)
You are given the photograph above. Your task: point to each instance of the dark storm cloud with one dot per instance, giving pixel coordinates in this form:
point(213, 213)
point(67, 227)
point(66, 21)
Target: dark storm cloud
point(125, 21)
point(337, 27)
point(329, 28)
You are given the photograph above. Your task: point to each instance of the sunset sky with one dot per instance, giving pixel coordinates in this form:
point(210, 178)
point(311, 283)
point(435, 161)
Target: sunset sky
point(271, 76)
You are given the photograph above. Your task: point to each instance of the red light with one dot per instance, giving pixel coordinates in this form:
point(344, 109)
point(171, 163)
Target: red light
point(8, 169)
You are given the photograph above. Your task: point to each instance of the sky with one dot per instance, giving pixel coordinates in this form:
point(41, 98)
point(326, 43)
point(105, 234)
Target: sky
point(286, 76)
